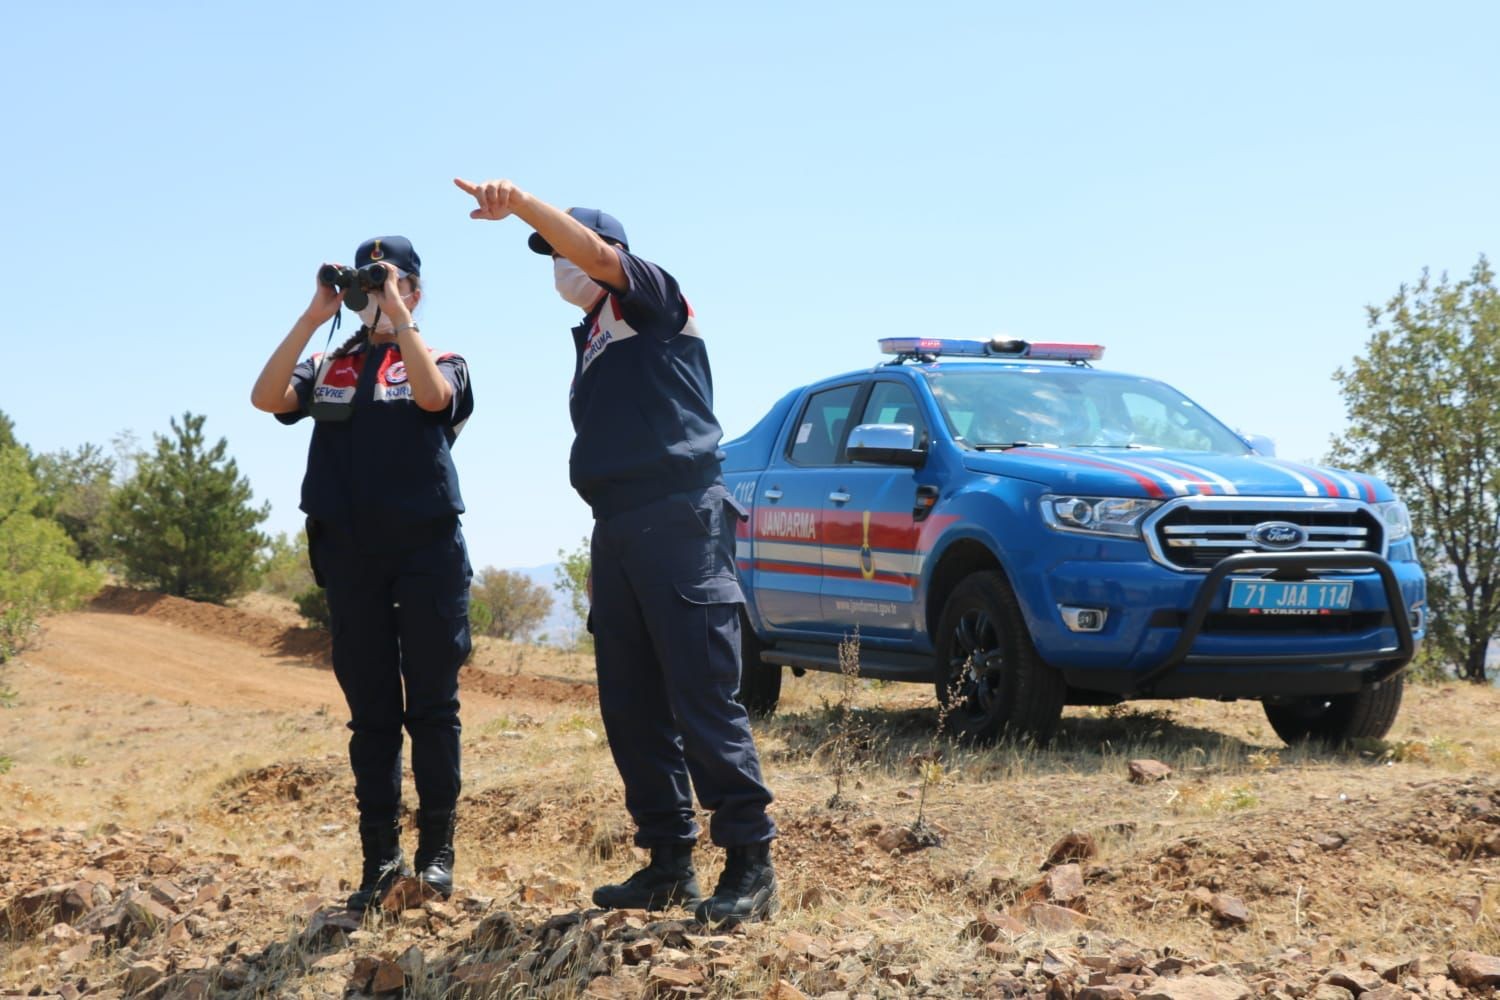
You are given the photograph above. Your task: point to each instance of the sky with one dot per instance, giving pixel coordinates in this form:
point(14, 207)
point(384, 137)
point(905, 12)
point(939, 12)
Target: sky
point(1213, 191)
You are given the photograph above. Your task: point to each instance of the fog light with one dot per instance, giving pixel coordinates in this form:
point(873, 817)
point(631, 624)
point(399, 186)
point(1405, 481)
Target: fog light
point(1083, 619)
point(1416, 618)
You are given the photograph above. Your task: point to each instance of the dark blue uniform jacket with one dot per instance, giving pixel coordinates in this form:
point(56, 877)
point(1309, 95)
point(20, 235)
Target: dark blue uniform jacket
point(388, 466)
point(642, 397)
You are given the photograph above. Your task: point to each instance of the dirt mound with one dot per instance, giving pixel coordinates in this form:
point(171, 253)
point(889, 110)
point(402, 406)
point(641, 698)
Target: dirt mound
point(1339, 853)
point(234, 624)
point(277, 783)
point(526, 687)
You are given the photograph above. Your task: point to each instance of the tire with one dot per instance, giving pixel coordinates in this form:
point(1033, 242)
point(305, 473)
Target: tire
point(1338, 718)
point(760, 683)
point(990, 680)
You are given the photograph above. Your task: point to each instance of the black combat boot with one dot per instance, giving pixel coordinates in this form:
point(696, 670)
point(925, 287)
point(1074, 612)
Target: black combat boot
point(668, 879)
point(384, 864)
point(434, 861)
point(746, 889)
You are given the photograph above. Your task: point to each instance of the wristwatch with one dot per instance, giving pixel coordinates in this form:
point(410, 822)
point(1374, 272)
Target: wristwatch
point(408, 326)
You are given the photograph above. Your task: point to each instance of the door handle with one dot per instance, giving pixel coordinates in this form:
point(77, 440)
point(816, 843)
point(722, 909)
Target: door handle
point(839, 497)
point(772, 494)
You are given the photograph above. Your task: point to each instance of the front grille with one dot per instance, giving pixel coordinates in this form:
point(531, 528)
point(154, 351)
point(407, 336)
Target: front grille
point(1196, 535)
point(1219, 623)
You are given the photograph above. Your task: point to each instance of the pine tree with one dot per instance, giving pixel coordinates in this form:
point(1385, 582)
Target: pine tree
point(183, 523)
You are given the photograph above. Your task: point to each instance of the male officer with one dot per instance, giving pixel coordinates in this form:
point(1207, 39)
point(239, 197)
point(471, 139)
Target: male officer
point(666, 603)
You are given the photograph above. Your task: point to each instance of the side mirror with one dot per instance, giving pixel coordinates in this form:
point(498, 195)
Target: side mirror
point(886, 444)
point(1262, 444)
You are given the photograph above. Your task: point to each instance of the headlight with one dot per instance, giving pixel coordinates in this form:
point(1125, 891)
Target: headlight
point(1118, 516)
point(1396, 518)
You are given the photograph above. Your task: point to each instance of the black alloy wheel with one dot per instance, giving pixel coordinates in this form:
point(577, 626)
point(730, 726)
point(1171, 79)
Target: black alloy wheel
point(991, 683)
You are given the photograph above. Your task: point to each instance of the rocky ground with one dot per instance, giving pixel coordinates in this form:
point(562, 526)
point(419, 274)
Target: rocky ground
point(200, 843)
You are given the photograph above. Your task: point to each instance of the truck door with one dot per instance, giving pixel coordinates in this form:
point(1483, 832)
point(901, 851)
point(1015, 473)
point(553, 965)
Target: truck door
point(871, 565)
point(787, 539)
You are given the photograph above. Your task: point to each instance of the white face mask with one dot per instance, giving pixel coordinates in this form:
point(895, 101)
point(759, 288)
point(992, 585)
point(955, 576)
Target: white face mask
point(573, 285)
point(367, 315)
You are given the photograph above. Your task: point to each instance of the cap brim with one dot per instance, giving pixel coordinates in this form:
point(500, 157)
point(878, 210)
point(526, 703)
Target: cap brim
point(539, 245)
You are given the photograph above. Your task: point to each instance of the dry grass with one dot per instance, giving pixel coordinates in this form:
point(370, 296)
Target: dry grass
point(1243, 814)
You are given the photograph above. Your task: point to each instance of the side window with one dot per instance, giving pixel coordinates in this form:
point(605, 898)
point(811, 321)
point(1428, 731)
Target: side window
point(821, 427)
point(894, 403)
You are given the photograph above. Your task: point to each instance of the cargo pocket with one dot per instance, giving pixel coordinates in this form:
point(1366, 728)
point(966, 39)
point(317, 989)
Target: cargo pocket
point(453, 619)
point(711, 590)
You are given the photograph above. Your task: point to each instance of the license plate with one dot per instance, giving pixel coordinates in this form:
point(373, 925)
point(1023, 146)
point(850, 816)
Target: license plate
point(1276, 597)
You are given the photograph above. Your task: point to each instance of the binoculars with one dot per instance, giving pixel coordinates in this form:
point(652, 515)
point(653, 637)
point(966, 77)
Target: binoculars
point(355, 283)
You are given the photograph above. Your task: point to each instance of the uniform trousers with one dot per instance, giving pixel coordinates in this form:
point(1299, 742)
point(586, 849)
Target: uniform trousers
point(400, 617)
point(666, 623)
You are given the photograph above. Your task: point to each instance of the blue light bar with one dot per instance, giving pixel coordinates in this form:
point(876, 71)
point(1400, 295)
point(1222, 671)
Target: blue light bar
point(933, 347)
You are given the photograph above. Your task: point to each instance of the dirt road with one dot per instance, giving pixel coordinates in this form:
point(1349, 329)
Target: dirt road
point(145, 656)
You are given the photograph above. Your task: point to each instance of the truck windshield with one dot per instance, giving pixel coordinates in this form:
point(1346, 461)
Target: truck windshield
point(1005, 407)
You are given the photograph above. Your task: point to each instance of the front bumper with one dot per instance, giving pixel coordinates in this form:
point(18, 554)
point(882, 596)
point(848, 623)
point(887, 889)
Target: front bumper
point(1169, 634)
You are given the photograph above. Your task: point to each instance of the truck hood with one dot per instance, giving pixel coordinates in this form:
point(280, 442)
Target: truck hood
point(1165, 474)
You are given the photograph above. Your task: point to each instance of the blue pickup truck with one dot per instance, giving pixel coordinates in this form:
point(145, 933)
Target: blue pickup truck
point(1024, 531)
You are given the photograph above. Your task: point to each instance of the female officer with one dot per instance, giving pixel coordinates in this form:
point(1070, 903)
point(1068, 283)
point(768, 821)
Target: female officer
point(382, 503)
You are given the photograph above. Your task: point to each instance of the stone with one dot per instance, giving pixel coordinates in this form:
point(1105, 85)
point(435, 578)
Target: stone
point(1064, 885)
point(1356, 981)
point(166, 892)
point(1145, 772)
point(144, 975)
point(1195, 988)
point(991, 926)
point(234, 975)
point(362, 973)
point(1104, 991)
point(1474, 970)
point(440, 910)
point(141, 916)
point(1472, 905)
point(821, 981)
point(60, 934)
point(387, 978)
point(413, 962)
point(1229, 910)
point(41, 908)
point(612, 988)
point(1329, 991)
point(1074, 846)
point(408, 894)
point(478, 979)
point(1050, 918)
point(1393, 970)
point(328, 927)
point(639, 950)
point(905, 840)
point(495, 932)
point(901, 975)
point(665, 981)
point(784, 990)
point(796, 942)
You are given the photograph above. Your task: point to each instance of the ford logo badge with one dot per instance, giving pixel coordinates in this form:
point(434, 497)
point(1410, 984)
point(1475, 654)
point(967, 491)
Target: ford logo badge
point(1278, 535)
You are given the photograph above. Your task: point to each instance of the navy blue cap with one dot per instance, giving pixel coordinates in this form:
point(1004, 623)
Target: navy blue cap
point(603, 223)
point(394, 250)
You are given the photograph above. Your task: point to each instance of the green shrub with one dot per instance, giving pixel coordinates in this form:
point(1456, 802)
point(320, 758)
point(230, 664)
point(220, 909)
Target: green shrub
point(313, 604)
